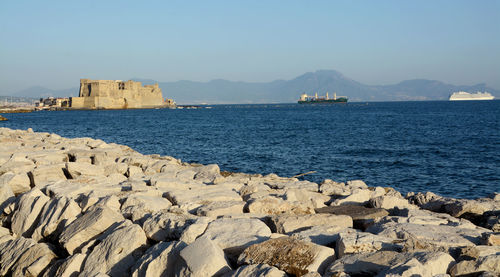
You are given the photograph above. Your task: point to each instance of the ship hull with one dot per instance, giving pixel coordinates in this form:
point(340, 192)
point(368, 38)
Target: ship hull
point(325, 101)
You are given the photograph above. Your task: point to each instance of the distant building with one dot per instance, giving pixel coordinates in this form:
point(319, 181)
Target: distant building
point(52, 102)
point(110, 94)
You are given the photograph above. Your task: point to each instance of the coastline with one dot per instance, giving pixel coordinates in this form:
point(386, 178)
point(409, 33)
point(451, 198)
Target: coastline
point(76, 202)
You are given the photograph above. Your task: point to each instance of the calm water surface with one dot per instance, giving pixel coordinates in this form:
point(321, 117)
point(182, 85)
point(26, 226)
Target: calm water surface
point(450, 148)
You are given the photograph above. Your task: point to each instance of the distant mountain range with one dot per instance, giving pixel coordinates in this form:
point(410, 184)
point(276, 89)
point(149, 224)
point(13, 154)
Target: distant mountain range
point(282, 91)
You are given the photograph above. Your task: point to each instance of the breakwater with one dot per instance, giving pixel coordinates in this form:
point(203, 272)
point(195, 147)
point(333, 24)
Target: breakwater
point(84, 206)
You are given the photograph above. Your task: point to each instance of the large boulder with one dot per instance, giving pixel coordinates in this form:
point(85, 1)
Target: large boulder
point(202, 258)
point(290, 255)
point(26, 216)
point(34, 261)
point(255, 270)
point(361, 216)
point(220, 208)
point(88, 227)
point(233, 235)
point(18, 182)
point(361, 242)
point(138, 206)
point(193, 199)
point(162, 226)
point(11, 251)
point(118, 250)
point(490, 263)
point(57, 213)
point(159, 260)
point(77, 169)
point(273, 205)
point(382, 263)
point(71, 266)
point(45, 174)
point(286, 224)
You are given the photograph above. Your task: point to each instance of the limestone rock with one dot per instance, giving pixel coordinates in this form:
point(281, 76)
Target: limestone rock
point(316, 199)
point(94, 200)
point(361, 242)
point(137, 206)
point(159, 260)
point(202, 258)
point(26, 216)
point(285, 224)
point(256, 270)
point(430, 237)
point(193, 199)
point(19, 183)
point(45, 174)
point(162, 226)
point(70, 267)
point(207, 174)
point(57, 213)
point(290, 255)
point(87, 227)
point(492, 239)
point(34, 261)
point(233, 235)
point(5, 235)
point(273, 205)
point(11, 251)
point(475, 252)
point(17, 166)
point(118, 250)
point(321, 234)
point(382, 263)
point(329, 187)
point(360, 215)
point(489, 263)
point(391, 202)
point(215, 209)
point(6, 196)
point(292, 184)
point(194, 230)
point(77, 169)
point(359, 196)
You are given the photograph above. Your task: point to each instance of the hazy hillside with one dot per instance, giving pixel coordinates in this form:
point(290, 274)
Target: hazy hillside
point(288, 91)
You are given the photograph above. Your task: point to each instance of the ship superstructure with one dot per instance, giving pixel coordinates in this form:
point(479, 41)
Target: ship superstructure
point(307, 99)
point(463, 96)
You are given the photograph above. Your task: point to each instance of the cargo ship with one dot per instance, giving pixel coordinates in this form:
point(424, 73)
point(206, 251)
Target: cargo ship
point(462, 96)
point(306, 99)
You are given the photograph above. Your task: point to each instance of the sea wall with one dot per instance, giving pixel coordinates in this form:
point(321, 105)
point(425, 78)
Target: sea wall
point(84, 206)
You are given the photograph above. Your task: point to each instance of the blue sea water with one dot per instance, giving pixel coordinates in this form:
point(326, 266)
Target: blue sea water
point(450, 148)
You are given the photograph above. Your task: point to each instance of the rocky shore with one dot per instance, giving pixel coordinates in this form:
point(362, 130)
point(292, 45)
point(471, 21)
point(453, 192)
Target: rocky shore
point(83, 207)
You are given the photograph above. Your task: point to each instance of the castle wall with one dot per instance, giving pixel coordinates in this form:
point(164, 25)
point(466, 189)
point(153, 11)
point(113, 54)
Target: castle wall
point(109, 94)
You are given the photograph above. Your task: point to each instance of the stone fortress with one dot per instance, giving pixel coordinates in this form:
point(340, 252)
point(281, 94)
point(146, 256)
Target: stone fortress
point(111, 94)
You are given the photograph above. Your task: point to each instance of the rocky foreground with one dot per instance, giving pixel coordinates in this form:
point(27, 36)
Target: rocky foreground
point(83, 207)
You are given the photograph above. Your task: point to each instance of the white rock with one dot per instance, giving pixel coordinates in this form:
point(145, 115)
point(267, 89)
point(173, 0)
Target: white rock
point(34, 261)
point(207, 174)
point(162, 226)
point(194, 230)
point(134, 171)
point(159, 260)
point(202, 258)
point(215, 209)
point(316, 199)
point(193, 199)
point(381, 262)
point(137, 206)
point(72, 266)
point(25, 218)
point(285, 224)
point(233, 235)
point(321, 234)
point(57, 213)
point(6, 196)
point(44, 174)
point(94, 200)
point(77, 169)
point(17, 166)
point(361, 242)
point(256, 270)
point(359, 196)
point(290, 255)
point(391, 202)
point(19, 183)
point(274, 205)
point(87, 227)
point(489, 263)
point(12, 250)
point(118, 250)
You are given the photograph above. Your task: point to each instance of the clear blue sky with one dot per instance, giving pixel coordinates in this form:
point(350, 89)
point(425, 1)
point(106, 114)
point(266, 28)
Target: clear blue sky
point(55, 43)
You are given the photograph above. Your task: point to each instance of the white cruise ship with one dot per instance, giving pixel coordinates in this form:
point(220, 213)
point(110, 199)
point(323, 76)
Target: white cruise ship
point(462, 95)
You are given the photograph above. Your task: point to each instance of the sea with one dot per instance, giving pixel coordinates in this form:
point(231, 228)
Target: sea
point(449, 148)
